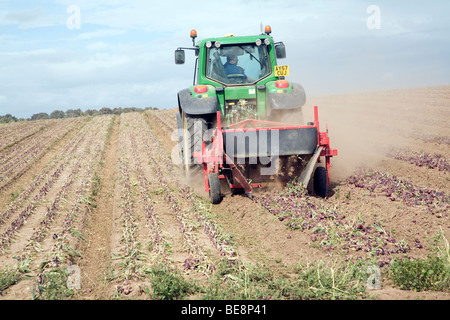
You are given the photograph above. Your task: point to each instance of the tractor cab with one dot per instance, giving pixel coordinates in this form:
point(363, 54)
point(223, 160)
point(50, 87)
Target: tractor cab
point(231, 60)
point(243, 76)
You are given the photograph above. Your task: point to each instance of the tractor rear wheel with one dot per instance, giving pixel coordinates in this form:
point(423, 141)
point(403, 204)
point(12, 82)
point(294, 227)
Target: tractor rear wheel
point(321, 182)
point(193, 131)
point(215, 196)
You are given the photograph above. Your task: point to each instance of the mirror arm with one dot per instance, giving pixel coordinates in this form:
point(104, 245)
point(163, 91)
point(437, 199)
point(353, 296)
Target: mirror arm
point(196, 49)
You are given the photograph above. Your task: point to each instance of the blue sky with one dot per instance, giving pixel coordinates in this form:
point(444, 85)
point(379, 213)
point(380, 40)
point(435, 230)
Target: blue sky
point(119, 53)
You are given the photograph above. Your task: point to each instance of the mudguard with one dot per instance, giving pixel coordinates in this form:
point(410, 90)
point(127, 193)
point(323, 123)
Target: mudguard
point(197, 104)
point(293, 97)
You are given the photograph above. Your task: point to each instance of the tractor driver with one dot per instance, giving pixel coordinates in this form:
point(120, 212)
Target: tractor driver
point(232, 68)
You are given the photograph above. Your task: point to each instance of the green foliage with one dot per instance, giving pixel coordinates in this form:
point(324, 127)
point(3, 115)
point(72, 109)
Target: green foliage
point(51, 285)
point(432, 273)
point(40, 116)
point(7, 118)
point(73, 113)
point(13, 196)
point(11, 275)
point(313, 281)
point(234, 281)
point(57, 114)
point(168, 284)
point(339, 281)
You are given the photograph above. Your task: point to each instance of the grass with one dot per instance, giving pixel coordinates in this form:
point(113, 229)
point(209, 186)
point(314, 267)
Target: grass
point(12, 275)
point(169, 284)
point(344, 281)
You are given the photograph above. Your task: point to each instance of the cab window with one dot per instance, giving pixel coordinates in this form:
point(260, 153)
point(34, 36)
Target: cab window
point(238, 64)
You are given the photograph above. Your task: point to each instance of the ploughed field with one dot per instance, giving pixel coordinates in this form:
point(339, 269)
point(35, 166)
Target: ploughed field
point(100, 197)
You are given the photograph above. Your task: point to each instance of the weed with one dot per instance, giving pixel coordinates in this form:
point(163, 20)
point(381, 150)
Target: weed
point(314, 281)
point(337, 281)
point(12, 275)
point(168, 284)
point(51, 284)
point(14, 195)
point(431, 273)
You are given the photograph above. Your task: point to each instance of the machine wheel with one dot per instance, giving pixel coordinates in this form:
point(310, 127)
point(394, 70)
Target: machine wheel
point(321, 181)
point(215, 195)
point(193, 130)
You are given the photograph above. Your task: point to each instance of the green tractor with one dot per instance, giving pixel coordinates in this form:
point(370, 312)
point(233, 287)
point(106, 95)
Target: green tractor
point(232, 122)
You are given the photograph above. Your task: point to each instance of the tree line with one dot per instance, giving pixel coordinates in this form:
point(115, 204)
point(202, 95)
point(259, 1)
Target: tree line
point(72, 113)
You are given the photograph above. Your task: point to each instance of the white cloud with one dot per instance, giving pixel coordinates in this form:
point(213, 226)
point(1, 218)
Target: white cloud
point(7, 37)
point(102, 33)
point(98, 46)
point(24, 15)
point(35, 17)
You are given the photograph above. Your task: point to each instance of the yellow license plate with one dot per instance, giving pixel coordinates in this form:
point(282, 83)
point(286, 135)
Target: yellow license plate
point(281, 71)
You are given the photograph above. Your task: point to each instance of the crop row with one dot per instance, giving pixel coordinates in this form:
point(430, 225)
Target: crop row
point(133, 205)
point(384, 184)
point(132, 256)
point(20, 220)
point(49, 174)
point(66, 238)
point(29, 144)
point(20, 160)
point(201, 211)
point(81, 197)
point(153, 224)
point(13, 133)
point(153, 152)
point(78, 156)
point(421, 159)
point(166, 118)
point(188, 210)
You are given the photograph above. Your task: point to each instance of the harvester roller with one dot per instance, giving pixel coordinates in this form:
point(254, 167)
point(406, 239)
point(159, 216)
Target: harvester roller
point(218, 164)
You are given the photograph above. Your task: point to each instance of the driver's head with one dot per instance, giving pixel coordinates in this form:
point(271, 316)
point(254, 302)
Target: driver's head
point(232, 58)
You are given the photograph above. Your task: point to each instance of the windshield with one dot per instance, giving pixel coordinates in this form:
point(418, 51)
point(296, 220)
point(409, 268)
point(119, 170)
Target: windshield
point(238, 64)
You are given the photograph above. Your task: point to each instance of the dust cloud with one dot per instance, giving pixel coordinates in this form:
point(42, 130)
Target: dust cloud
point(363, 126)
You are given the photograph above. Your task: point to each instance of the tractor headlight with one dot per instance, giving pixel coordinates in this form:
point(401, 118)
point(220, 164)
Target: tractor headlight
point(266, 41)
point(258, 42)
point(208, 44)
point(217, 44)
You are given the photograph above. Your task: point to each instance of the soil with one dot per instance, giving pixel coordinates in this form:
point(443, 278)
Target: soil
point(131, 157)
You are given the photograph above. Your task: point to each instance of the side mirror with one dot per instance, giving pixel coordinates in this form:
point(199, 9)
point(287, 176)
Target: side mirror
point(179, 56)
point(280, 51)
